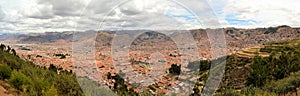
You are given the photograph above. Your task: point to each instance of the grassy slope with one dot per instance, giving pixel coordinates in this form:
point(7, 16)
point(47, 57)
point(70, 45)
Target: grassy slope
point(279, 61)
point(237, 75)
point(36, 80)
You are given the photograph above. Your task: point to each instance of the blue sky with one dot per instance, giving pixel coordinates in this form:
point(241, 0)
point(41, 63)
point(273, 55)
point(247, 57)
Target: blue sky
point(54, 15)
point(234, 21)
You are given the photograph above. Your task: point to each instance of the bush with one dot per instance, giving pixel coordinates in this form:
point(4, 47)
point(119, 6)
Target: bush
point(288, 84)
point(52, 91)
point(250, 90)
point(67, 85)
point(5, 71)
point(18, 80)
point(258, 74)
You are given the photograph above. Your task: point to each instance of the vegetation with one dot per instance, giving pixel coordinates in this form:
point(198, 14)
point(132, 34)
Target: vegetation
point(5, 72)
point(175, 69)
point(120, 87)
point(276, 74)
point(35, 80)
point(19, 80)
point(273, 75)
point(62, 56)
point(271, 30)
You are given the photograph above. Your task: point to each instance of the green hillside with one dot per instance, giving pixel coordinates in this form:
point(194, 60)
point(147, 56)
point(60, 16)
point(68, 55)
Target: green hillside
point(272, 75)
point(20, 77)
point(24, 78)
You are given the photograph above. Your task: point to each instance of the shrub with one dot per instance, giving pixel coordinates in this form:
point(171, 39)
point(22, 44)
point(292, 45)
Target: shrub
point(52, 91)
point(288, 84)
point(18, 80)
point(5, 71)
point(258, 74)
point(66, 84)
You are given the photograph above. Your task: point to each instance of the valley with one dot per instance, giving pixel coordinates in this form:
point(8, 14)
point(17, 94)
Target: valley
point(55, 48)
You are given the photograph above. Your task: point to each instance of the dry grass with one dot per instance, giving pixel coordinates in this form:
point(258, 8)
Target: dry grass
point(8, 89)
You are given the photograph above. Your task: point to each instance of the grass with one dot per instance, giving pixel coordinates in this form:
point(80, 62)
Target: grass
point(288, 84)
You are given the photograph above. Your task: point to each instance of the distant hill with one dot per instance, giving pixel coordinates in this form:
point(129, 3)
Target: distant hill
point(8, 36)
point(236, 38)
point(233, 35)
point(48, 37)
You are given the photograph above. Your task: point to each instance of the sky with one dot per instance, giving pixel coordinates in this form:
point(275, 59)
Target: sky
point(24, 16)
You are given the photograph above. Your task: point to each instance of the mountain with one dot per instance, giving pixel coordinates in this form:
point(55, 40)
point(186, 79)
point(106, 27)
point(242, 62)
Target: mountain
point(233, 35)
point(8, 36)
point(261, 61)
point(48, 37)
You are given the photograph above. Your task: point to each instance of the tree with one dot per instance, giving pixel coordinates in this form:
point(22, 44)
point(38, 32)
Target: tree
point(63, 57)
point(8, 49)
point(108, 75)
point(14, 52)
point(2, 47)
point(52, 68)
point(258, 74)
point(175, 69)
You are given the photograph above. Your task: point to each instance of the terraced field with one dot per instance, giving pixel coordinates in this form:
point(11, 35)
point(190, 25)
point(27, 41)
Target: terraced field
point(251, 52)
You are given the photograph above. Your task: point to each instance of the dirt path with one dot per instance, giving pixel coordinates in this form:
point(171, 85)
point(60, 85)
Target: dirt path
point(4, 92)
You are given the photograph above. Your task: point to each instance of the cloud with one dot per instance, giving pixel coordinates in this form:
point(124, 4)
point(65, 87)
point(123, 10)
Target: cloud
point(1, 13)
point(66, 15)
point(263, 13)
point(64, 7)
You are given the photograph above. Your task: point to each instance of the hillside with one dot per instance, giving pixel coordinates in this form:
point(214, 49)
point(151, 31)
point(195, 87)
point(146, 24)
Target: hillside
point(275, 74)
point(20, 77)
point(23, 78)
point(258, 74)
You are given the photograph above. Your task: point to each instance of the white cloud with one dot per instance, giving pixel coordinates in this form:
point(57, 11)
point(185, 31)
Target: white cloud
point(65, 15)
point(265, 13)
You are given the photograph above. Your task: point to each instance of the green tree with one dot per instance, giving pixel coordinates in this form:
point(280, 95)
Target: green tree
point(259, 72)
